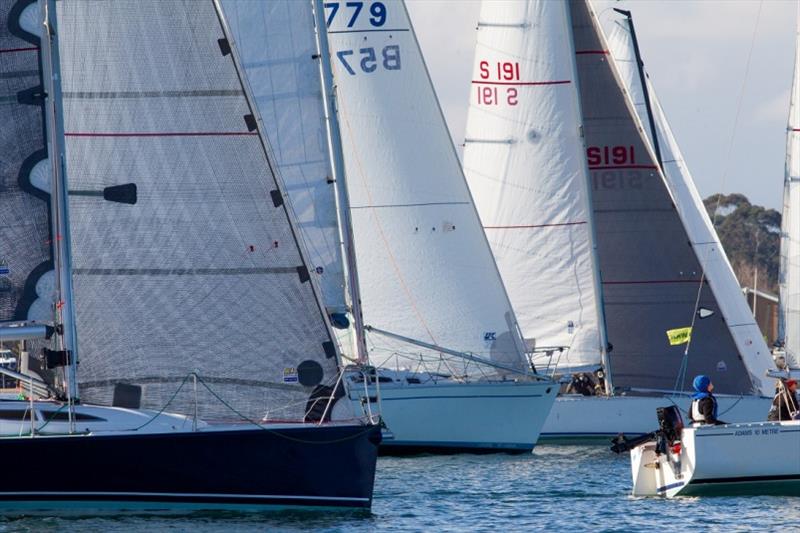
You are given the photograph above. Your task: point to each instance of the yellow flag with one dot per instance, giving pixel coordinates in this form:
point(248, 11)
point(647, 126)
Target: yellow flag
point(679, 336)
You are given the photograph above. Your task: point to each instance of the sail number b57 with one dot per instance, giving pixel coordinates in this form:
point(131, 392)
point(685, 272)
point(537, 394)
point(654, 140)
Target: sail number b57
point(368, 61)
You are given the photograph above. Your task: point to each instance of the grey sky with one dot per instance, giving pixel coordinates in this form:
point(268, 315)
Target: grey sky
point(695, 53)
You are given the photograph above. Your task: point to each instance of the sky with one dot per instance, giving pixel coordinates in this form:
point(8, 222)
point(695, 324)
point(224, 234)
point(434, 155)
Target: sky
point(695, 52)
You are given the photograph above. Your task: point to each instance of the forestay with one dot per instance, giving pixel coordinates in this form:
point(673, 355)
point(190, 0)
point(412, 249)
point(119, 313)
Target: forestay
point(426, 271)
point(277, 45)
point(650, 269)
point(26, 263)
point(525, 164)
point(702, 235)
point(200, 270)
point(790, 227)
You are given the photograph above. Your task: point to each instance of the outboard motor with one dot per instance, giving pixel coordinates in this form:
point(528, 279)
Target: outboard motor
point(670, 426)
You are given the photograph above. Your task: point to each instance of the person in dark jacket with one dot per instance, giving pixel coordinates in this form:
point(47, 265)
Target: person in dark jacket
point(704, 405)
point(785, 404)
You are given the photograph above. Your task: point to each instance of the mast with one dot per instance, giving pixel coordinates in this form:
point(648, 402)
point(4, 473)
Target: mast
point(64, 312)
point(596, 278)
point(643, 79)
point(342, 197)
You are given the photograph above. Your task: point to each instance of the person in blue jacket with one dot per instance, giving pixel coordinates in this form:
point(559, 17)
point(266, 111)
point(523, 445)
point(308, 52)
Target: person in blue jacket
point(704, 405)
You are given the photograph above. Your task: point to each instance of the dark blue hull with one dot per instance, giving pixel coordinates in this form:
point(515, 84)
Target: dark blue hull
point(303, 467)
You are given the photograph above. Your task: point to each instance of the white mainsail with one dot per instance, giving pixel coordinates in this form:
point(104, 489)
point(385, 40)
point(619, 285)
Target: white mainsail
point(277, 46)
point(199, 269)
point(789, 314)
point(426, 271)
point(699, 228)
point(524, 158)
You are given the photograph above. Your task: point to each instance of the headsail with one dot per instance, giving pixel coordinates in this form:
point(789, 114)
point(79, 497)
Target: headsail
point(789, 314)
point(648, 254)
point(276, 43)
point(425, 268)
point(185, 256)
point(524, 159)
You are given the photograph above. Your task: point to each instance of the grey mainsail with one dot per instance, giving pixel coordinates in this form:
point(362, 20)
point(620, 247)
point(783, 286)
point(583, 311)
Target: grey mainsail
point(650, 271)
point(185, 257)
point(25, 240)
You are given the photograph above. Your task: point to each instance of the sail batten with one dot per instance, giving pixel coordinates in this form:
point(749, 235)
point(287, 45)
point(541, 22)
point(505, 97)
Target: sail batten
point(203, 273)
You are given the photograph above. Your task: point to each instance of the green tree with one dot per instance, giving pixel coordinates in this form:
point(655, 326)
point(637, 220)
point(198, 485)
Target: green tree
point(750, 235)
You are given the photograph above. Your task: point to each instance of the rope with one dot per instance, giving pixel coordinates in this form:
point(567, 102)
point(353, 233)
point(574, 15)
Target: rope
point(680, 381)
point(277, 431)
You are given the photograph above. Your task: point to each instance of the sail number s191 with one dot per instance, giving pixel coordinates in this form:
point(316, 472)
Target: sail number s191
point(603, 156)
point(493, 86)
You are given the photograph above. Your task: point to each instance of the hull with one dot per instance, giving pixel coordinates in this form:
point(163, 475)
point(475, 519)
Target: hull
point(480, 417)
point(756, 458)
point(596, 419)
point(287, 467)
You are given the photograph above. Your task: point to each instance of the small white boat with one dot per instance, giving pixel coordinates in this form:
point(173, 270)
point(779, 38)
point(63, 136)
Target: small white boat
point(718, 460)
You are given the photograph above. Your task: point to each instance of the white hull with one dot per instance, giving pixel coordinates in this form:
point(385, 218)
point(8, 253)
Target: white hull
point(447, 416)
point(576, 418)
point(756, 458)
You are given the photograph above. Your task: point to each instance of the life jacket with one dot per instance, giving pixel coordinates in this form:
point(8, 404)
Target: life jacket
point(697, 416)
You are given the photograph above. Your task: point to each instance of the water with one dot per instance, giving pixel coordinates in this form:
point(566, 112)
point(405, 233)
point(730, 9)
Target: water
point(557, 488)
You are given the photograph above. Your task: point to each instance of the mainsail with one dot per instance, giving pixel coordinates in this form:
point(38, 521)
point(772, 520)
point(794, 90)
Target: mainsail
point(426, 271)
point(26, 263)
point(651, 274)
point(789, 315)
point(525, 163)
point(277, 46)
point(185, 256)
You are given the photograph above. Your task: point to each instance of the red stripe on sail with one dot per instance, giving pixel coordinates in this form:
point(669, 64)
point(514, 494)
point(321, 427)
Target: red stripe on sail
point(652, 282)
point(536, 226)
point(618, 167)
point(524, 83)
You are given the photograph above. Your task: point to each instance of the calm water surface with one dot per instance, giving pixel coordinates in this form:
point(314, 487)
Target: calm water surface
point(556, 488)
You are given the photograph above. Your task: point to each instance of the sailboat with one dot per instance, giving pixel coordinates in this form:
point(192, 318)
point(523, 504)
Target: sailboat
point(589, 223)
point(713, 460)
point(443, 364)
point(789, 273)
point(166, 244)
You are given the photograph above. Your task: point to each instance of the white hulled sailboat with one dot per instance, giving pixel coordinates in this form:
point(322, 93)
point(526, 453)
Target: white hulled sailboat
point(451, 374)
point(591, 234)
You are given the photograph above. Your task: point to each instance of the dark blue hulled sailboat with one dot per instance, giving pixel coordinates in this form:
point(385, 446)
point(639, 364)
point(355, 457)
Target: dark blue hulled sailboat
point(145, 235)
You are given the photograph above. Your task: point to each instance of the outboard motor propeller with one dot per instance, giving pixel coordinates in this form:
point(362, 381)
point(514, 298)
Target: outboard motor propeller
point(670, 426)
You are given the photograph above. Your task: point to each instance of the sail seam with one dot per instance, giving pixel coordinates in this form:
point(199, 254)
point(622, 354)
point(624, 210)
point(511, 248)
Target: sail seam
point(161, 134)
point(150, 94)
point(421, 204)
point(536, 225)
point(181, 271)
point(14, 50)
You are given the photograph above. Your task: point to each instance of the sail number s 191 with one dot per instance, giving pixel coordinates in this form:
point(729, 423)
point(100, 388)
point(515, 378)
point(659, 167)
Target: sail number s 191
point(493, 86)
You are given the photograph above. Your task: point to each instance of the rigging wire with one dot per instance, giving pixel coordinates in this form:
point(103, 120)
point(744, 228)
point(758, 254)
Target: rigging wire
point(680, 381)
